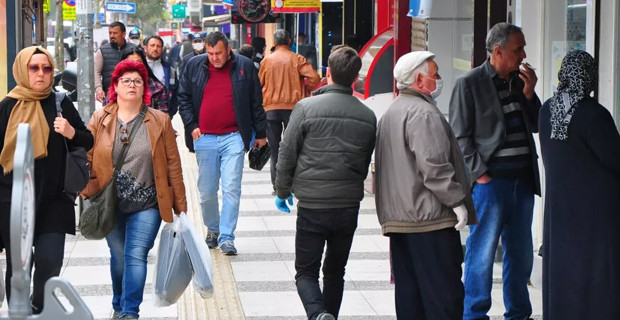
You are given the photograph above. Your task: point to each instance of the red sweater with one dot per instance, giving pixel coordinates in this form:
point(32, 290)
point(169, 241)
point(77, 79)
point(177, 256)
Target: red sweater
point(217, 111)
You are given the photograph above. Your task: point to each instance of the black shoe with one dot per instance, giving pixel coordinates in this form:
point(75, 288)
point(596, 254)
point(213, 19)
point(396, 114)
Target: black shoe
point(228, 248)
point(273, 193)
point(211, 239)
point(324, 316)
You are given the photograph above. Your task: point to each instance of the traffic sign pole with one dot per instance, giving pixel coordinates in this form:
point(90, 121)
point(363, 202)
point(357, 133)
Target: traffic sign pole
point(86, 69)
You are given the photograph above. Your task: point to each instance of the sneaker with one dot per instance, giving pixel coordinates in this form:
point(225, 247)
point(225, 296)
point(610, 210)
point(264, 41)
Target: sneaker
point(129, 317)
point(228, 248)
point(211, 239)
point(116, 315)
point(324, 316)
point(273, 193)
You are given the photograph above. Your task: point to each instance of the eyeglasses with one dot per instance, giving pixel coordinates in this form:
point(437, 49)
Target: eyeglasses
point(37, 68)
point(123, 131)
point(127, 82)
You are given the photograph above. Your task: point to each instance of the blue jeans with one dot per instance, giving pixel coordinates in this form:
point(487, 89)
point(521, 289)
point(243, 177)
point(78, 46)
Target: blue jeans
point(220, 156)
point(129, 242)
point(504, 208)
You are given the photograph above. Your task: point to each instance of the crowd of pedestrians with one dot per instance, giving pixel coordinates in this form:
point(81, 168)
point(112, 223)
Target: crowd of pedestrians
point(433, 176)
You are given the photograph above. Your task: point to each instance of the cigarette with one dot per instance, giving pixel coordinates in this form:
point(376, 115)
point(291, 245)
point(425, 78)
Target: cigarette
point(529, 66)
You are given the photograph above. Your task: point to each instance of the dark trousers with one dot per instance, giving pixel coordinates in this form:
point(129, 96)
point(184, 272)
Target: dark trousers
point(427, 275)
point(315, 227)
point(49, 251)
point(277, 121)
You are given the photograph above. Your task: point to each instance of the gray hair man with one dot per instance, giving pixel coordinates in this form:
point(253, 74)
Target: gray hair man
point(493, 112)
point(422, 194)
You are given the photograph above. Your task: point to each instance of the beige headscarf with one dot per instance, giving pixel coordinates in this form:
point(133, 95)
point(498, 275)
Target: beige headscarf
point(27, 110)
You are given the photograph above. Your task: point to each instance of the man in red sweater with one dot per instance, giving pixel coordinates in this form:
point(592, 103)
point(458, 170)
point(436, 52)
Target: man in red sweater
point(220, 102)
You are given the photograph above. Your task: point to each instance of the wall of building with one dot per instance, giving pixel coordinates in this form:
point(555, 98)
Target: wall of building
point(609, 59)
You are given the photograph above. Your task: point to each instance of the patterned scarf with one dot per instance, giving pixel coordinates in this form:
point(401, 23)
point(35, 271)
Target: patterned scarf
point(578, 77)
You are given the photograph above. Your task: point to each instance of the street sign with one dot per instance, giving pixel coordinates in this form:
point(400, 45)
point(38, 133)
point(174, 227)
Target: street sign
point(68, 11)
point(123, 7)
point(174, 25)
point(70, 3)
point(178, 11)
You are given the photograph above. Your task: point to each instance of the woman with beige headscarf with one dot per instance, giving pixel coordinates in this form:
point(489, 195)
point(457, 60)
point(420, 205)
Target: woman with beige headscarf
point(32, 101)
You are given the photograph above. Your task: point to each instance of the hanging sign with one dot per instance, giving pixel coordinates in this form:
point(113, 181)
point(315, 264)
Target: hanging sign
point(68, 10)
point(295, 6)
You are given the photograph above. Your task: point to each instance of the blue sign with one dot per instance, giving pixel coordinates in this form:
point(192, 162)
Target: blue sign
point(420, 8)
point(100, 17)
point(123, 7)
point(228, 2)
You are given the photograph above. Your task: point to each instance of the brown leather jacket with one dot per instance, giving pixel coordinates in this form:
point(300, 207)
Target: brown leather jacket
point(165, 154)
point(286, 78)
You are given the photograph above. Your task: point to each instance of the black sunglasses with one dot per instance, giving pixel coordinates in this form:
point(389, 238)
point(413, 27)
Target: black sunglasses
point(123, 131)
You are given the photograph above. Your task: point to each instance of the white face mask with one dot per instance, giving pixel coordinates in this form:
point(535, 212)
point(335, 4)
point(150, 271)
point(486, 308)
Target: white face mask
point(198, 46)
point(438, 86)
point(135, 41)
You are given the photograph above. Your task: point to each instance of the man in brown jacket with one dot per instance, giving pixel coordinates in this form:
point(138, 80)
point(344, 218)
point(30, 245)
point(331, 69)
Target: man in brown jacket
point(423, 195)
point(286, 78)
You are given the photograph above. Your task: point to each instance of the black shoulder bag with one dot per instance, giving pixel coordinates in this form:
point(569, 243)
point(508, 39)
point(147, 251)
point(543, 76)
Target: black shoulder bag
point(77, 168)
point(97, 220)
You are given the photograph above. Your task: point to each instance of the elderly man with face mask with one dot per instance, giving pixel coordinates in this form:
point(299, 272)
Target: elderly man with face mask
point(423, 196)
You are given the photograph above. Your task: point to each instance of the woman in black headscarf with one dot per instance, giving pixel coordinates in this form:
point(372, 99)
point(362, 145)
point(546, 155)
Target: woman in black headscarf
point(581, 153)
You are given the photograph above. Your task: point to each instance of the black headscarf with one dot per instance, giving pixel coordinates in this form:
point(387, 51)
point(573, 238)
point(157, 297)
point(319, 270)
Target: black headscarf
point(578, 77)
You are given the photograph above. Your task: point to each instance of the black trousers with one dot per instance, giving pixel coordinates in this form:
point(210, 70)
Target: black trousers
point(277, 121)
point(427, 275)
point(315, 227)
point(49, 251)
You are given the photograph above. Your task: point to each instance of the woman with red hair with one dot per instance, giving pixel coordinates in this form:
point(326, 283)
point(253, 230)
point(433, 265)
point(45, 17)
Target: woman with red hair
point(149, 182)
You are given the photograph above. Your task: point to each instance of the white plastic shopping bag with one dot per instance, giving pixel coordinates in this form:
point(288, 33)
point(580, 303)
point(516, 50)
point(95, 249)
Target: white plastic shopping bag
point(2, 286)
point(199, 256)
point(173, 270)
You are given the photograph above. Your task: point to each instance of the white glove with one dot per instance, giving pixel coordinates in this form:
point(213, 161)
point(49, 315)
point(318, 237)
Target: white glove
point(461, 216)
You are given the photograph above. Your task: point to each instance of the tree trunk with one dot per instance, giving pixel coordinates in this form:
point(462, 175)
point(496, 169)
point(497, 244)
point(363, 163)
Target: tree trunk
point(59, 35)
point(97, 6)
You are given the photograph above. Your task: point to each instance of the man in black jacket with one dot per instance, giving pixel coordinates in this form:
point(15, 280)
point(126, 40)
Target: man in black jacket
point(220, 102)
point(324, 157)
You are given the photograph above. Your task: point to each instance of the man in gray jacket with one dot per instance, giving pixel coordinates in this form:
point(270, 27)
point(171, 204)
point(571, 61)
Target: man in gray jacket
point(324, 157)
point(422, 195)
point(493, 112)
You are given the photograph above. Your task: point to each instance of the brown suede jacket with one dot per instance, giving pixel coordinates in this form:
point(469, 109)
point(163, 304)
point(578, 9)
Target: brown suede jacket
point(164, 151)
point(286, 78)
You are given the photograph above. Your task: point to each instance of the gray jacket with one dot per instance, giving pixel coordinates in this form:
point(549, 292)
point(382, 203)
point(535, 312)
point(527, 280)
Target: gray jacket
point(477, 119)
point(420, 174)
point(326, 150)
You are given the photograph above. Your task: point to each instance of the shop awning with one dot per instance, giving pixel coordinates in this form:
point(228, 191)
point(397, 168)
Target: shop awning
point(222, 18)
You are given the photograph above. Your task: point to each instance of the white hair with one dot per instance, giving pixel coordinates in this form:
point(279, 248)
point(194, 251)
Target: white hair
point(408, 81)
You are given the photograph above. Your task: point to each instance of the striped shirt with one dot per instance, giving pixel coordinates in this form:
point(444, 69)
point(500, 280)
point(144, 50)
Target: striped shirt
point(513, 158)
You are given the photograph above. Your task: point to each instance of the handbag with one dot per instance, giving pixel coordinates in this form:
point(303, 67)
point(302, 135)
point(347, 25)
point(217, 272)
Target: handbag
point(97, 219)
point(258, 157)
point(77, 168)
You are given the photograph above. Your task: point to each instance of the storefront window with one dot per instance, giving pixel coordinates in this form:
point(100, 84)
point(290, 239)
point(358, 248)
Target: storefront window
point(569, 25)
point(450, 37)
